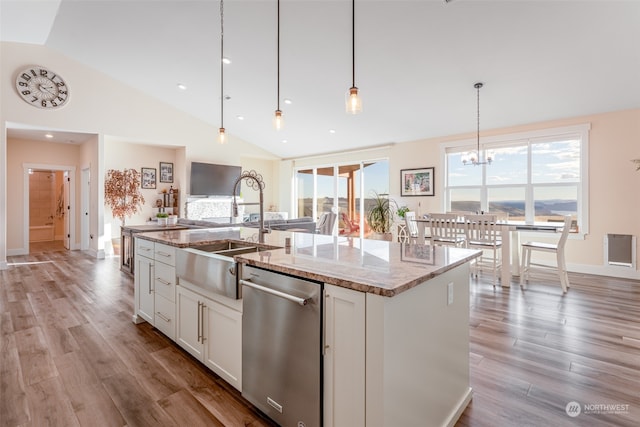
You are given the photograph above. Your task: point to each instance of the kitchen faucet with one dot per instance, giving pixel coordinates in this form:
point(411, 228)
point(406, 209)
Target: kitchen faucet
point(255, 181)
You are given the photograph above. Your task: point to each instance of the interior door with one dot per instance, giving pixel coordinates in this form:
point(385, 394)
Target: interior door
point(67, 211)
point(84, 222)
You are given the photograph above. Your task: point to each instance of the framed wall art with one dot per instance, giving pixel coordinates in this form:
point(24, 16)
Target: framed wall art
point(148, 178)
point(166, 172)
point(417, 182)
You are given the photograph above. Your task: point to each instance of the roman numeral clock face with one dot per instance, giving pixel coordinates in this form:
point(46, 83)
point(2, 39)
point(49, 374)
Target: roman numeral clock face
point(42, 88)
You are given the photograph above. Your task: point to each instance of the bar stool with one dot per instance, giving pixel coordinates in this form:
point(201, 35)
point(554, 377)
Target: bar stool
point(558, 249)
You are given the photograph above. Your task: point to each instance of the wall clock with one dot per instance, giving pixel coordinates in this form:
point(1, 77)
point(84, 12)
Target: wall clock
point(41, 87)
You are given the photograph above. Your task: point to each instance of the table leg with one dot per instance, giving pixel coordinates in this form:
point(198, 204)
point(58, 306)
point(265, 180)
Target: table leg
point(505, 271)
point(421, 228)
point(515, 253)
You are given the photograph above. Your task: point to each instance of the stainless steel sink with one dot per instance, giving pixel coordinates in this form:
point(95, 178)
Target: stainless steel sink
point(225, 245)
point(211, 267)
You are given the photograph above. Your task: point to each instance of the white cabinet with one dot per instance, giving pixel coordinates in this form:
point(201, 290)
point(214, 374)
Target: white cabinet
point(144, 282)
point(164, 285)
point(223, 346)
point(189, 321)
point(344, 357)
point(154, 285)
point(211, 332)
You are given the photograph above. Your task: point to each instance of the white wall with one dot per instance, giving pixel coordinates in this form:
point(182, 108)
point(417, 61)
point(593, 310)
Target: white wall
point(109, 109)
point(614, 140)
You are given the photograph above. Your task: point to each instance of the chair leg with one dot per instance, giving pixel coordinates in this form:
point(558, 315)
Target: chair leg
point(562, 272)
point(524, 266)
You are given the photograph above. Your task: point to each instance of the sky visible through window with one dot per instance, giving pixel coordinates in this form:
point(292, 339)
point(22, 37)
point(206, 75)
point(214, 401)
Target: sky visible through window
point(553, 163)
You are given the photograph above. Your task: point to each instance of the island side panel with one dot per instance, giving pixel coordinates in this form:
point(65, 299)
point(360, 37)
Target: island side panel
point(417, 354)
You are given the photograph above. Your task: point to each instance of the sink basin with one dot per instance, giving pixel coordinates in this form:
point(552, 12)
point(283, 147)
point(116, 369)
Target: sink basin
point(225, 245)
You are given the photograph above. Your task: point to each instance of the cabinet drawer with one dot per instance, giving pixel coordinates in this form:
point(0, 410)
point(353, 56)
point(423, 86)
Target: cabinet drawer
point(165, 316)
point(165, 281)
point(165, 254)
point(144, 248)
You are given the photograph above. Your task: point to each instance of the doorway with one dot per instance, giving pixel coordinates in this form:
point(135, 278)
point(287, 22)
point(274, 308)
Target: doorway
point(48, 207)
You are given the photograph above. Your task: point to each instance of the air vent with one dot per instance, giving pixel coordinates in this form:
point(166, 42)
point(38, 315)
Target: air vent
point(619, 249)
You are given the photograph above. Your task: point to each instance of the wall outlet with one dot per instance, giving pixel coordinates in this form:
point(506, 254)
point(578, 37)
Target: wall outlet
point(450, 293)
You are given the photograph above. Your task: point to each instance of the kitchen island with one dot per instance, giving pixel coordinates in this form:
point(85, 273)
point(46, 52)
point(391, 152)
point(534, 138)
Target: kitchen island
point(395, 321)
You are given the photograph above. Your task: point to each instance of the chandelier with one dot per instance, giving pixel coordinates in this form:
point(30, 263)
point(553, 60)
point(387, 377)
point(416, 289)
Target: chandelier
point(474, 157)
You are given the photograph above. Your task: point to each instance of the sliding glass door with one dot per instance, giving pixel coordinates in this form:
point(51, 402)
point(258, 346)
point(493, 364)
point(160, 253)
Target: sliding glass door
point(342, 189)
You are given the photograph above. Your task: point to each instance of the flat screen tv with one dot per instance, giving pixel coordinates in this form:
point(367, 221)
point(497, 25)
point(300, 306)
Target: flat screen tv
point(213, 180)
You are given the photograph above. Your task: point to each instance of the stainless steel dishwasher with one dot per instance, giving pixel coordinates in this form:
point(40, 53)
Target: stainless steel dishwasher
point(282, 346)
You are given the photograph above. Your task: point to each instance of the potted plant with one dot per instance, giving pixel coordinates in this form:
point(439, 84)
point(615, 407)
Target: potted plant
point(401, 211)
point(162, 218)
point(380, 216)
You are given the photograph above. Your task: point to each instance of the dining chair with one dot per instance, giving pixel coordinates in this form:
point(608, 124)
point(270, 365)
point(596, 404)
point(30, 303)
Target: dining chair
point(482, 232)
point(557, 248)
point(446, 230)
point(350, 225)
point(412, 226)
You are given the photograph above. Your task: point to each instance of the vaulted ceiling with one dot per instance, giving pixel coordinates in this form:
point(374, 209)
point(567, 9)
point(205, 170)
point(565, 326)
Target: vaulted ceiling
point(416, 62)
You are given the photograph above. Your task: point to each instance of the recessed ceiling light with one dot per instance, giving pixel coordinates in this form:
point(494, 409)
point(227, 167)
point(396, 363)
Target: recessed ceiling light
point(284, 141)
point(288, 101)
point(332, 131)
point(240, 117)
point(226, 60)
point(182, 86)
point(48, 135)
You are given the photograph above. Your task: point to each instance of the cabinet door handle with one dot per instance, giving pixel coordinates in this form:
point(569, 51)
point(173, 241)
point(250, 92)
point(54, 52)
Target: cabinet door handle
point(199, 320)
point(162, 316)
point(202, 320)
point(161, 280)
point(150, 276)
point(325, 308)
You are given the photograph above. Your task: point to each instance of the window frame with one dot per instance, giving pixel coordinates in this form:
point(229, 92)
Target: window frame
point(580, 132)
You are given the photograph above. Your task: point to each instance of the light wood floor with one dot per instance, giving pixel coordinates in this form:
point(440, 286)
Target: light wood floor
point(70, 355)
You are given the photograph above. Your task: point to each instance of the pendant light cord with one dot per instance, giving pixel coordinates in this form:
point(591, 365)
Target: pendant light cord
point(478, 86)
point(222, 63)
point(353, 43)
point(278, 55)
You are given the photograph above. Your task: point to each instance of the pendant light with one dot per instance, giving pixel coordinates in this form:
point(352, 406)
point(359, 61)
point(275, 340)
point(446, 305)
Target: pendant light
point(277, 119)
point(473, 158)
point(222, 137)
point(353, 102)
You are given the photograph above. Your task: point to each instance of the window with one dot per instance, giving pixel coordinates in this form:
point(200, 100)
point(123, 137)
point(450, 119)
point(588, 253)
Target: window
point(339, 188)
point(538, 176)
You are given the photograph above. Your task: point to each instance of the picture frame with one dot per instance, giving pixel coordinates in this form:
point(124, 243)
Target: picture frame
point(417, 182)
point(148, 178)
point(419, 254)
point(166, 172)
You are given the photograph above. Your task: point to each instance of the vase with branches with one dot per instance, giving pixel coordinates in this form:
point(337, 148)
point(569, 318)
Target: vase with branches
point(122, 192)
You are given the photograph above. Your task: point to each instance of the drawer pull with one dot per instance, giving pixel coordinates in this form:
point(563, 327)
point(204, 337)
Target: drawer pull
point(143, 248)
point(164, 254)
point(162, 316)
point(161, 280)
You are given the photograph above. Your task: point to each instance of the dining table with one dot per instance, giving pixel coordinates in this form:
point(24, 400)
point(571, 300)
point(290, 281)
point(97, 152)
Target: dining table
point(510, 236)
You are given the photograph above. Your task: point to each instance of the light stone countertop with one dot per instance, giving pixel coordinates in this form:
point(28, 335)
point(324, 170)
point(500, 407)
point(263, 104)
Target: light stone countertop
point(379, 267)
